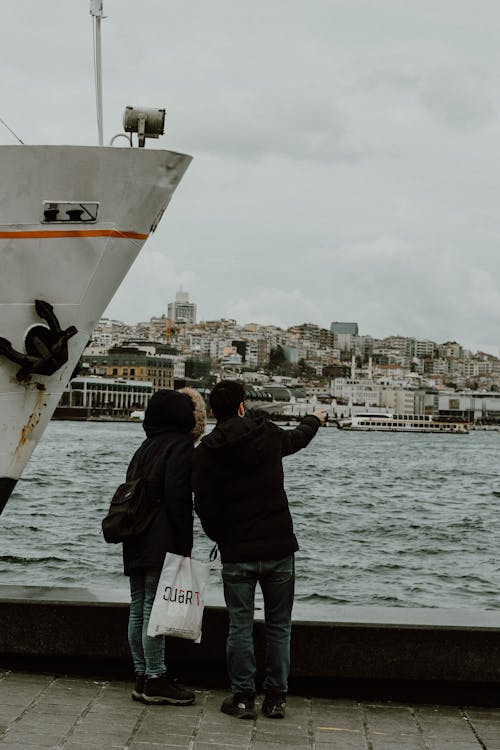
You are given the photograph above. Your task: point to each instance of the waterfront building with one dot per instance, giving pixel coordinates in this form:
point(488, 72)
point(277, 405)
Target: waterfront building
point(134, 363)
point(477, 406)
point(110, 395)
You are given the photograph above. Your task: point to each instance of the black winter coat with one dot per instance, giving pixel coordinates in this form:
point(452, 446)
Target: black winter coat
point(239, 490)
point(166, 460)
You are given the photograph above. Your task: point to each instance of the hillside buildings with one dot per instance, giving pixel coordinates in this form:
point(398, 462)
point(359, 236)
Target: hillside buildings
point(398, 373)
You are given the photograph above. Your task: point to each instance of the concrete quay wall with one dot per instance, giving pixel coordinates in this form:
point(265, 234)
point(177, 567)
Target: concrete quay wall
point(431, 655)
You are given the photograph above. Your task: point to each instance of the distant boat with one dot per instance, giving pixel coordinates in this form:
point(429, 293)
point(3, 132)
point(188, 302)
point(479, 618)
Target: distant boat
point(137, 416)
point(72, 221)
point(382, 422)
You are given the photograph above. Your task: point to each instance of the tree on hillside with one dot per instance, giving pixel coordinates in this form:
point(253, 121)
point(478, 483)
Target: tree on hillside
point(277, 359)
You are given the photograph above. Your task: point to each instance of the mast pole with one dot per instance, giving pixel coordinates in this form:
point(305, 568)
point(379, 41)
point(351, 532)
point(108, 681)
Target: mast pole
point(96, 10)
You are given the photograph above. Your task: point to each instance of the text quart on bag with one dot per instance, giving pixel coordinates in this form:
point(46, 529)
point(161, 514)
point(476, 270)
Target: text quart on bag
point(180, 598)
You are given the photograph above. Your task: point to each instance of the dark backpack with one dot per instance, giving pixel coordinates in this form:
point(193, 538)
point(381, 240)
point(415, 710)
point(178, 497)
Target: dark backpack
point(130, 512)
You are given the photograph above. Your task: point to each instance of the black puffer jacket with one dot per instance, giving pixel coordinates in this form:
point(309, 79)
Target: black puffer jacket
point(165, 457)
point(239, 490)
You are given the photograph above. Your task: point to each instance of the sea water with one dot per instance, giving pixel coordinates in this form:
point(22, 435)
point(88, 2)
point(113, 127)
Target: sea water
point(394, 519)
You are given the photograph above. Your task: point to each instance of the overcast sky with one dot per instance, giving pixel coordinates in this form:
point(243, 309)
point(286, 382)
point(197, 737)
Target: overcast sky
point(346, 152)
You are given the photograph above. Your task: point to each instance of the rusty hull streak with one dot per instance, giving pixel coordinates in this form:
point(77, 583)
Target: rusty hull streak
point(34, 418)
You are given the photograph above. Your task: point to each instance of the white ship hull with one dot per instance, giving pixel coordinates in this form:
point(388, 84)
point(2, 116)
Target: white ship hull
point(73, 262)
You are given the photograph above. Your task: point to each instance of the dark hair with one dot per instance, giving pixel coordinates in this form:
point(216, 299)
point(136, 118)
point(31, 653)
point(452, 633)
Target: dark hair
point(225, 398)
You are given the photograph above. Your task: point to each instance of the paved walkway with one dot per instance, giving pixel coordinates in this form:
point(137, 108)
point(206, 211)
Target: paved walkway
point(66, 713)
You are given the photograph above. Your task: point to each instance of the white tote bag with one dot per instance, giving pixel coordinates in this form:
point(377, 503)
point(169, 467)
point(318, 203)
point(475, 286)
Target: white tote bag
point(180, 598)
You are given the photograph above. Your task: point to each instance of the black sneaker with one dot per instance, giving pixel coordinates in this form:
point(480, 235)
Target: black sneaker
point(274, 705)
point(241, 705)
point(166, 689)
point(137, 692)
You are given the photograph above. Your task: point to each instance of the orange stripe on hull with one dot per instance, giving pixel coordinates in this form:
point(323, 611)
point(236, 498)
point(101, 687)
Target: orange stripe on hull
point(55, 234)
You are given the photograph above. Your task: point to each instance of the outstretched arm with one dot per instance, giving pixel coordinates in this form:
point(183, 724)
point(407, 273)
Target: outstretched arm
point(293, 440)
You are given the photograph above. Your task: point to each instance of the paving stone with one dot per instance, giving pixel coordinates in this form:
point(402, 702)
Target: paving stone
point(264, 745)
point(33, 739)
point(224, 738)
point(179, 727)
point(340, 738)
point(18, 696)
point(343, 744)
point(445, 726)
point(43, 725)
point(348, 719)
point(330, 710)
point(391, 720)
point(158, 734)
point(393, 742)
point(281, 726)
point(230, 725)
point(290, 739)
point(56, 710)
point(490, 740)
point(95, 745)
point(439, 744)
point(11, 712)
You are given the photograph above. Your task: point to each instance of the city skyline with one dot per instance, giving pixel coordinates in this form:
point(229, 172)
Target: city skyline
point(296, 324)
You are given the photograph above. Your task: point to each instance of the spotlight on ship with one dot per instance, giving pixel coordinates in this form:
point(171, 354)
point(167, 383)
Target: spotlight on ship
point(146, 122)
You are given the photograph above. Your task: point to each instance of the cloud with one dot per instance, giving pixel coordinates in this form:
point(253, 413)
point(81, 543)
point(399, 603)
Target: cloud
point(150, 285)
point(461, 98)
point(252, 124)
point(345, 154)
point(277, 307)
point(484, 296)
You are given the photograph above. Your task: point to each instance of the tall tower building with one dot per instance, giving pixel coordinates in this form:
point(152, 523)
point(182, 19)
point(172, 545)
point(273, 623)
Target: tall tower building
point(182, 310)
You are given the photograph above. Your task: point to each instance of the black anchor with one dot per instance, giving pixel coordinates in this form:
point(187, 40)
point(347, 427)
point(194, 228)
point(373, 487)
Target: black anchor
point(46, 348)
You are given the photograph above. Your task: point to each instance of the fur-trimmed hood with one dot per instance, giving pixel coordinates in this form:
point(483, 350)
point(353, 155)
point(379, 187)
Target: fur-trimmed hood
point(199, 412)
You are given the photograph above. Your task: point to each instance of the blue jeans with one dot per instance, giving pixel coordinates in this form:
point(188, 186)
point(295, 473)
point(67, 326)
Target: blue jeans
point(277, 581)
point(148, 654)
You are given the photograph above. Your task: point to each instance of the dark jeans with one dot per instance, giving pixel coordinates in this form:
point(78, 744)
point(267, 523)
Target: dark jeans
point(277, 581)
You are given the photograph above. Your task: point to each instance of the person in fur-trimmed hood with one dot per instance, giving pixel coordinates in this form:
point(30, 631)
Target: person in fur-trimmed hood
point(173, 421)
point(240, 498)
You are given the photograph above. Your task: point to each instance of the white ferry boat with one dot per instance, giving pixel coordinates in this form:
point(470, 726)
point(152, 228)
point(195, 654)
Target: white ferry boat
point(371, 421)
point(72, 221)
